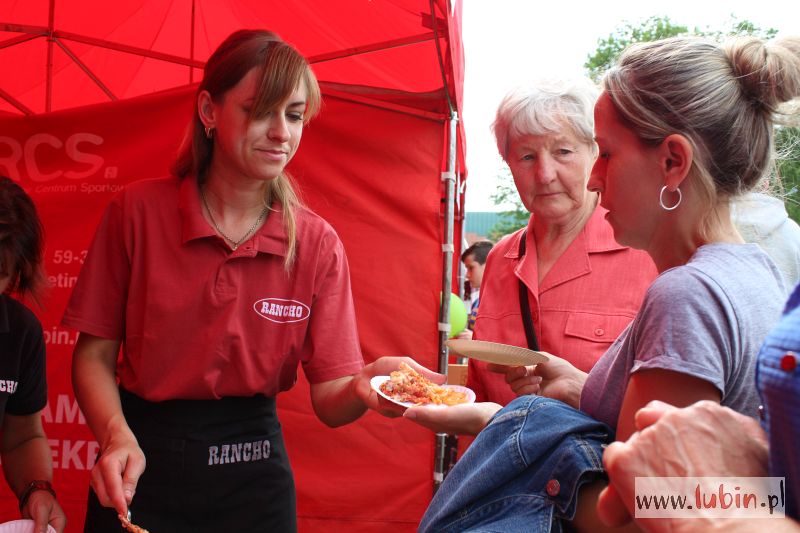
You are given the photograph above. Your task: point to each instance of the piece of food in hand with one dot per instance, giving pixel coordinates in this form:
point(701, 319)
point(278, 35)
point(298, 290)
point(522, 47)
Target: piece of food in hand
point(133, 528)
point(408, 385)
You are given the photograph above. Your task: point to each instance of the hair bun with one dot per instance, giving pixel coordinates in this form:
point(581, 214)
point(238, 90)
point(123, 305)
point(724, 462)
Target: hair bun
point(769, 74)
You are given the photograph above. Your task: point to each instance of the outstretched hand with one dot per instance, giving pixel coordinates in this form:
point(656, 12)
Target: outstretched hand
point(462, 419)
point(383, 367)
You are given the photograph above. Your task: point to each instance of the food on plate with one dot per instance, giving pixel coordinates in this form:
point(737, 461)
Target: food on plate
point(133, 528)
point(409, 386)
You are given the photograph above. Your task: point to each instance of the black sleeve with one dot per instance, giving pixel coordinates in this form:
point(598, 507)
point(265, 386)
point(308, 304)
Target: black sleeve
point(31, 393)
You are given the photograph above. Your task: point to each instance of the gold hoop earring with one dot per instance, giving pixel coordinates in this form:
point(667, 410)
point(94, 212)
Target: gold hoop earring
point(209, 132)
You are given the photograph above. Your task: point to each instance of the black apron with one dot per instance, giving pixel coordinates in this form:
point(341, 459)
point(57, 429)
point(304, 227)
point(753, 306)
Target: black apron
point(212, 466)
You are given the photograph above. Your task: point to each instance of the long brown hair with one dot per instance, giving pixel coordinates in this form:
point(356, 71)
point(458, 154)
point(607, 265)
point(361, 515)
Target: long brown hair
point(283, 70)
point(21, 241)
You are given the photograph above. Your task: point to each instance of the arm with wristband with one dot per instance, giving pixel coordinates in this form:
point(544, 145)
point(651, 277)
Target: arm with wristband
point(28, 470)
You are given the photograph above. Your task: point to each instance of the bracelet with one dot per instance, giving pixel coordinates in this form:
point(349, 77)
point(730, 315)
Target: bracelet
point(37, 484)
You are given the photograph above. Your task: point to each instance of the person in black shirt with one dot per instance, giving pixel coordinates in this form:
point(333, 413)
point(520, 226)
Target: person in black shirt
point(27, 459)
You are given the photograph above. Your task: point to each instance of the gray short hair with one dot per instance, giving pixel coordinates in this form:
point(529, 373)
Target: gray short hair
point(544, 108)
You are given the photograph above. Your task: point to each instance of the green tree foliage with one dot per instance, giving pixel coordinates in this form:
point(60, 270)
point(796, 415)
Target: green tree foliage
point(787, 142)
point(654, 28)
point(513, 218)
point(609, 49)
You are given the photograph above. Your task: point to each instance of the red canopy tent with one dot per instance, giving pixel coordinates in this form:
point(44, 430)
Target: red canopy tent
point(95, 94)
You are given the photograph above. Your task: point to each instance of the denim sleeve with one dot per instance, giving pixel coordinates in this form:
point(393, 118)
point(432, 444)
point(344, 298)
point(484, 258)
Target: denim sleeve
point(522, 472)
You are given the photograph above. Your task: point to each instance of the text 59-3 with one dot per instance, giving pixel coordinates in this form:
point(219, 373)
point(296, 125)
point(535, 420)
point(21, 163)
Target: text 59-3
point(68, 257)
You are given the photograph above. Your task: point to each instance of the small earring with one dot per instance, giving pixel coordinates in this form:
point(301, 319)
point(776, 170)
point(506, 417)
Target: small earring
point(209, 132)
point(661, 198)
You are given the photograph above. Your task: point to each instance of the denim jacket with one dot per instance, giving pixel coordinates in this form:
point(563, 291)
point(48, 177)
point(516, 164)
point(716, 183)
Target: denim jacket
point(522, 472)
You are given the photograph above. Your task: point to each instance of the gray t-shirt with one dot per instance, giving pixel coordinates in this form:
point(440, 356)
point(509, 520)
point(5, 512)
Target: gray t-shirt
point(706, 319)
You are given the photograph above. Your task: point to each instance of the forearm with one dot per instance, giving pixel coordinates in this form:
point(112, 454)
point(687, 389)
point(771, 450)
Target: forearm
point(336, 402)
point(94, 381)
point(30, 460)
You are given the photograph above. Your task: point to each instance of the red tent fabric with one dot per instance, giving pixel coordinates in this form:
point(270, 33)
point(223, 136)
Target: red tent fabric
point(112, 108)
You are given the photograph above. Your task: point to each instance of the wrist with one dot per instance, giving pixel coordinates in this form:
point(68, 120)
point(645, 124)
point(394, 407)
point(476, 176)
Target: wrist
point(357, 389)
point(33, 486)
point(116, 430)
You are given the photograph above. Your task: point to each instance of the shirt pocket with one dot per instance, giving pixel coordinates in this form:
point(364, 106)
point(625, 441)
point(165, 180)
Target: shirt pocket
point(595, 327)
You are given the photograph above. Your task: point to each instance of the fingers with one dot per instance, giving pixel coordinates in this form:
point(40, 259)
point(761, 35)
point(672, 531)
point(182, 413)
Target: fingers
point(428, 417)
point(130, 477)
point(610, 505)
point(388, 364)
point(522, 380)
point(463, 419)
point(526, 385)
point(753, 429)
point(651, 413)
point(610, 508)
point(388, 408)
point(115, 476)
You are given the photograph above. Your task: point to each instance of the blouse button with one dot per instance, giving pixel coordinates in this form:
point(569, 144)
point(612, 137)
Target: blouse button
point(553, 487)
point(599, 332)
point(789, 362)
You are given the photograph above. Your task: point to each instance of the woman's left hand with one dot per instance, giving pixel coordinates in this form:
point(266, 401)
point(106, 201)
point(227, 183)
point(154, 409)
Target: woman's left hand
point(556, 378)
point(383, 367)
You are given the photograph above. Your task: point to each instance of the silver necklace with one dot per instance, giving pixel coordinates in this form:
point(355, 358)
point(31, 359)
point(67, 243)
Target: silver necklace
point(234, 244)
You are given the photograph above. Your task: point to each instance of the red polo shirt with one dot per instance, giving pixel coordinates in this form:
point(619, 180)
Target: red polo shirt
point(199, 321)
point(585, 300)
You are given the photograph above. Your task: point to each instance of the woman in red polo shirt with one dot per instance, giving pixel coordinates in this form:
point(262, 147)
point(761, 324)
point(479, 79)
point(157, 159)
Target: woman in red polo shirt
point(216, 283)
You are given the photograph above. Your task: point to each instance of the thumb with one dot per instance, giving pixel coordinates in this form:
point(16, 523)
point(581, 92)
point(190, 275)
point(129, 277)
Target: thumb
point(40, 515)
point(651, 413)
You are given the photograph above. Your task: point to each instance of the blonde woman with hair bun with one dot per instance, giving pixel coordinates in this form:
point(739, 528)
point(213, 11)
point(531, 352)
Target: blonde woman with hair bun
point(683, 126)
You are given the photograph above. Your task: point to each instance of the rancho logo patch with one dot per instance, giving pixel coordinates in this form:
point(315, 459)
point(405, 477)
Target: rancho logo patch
point(281, 310)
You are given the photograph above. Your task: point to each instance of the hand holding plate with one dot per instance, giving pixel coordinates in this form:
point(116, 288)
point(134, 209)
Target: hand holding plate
point(464, 419)
point(383, 367)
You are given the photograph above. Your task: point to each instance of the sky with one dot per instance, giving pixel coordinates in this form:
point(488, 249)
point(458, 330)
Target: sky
point(508, 43)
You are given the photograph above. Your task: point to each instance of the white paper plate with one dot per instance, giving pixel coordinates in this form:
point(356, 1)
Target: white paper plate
point(493, 352)
point(21, 526)
point(377, 381)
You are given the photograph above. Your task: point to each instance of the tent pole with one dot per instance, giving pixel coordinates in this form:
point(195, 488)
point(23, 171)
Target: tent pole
point(449, 178)
point(191, 44)
point(48, 95)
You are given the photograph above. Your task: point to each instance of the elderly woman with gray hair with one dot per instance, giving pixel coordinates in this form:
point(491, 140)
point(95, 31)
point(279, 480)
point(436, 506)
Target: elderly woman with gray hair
point(562, 284)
